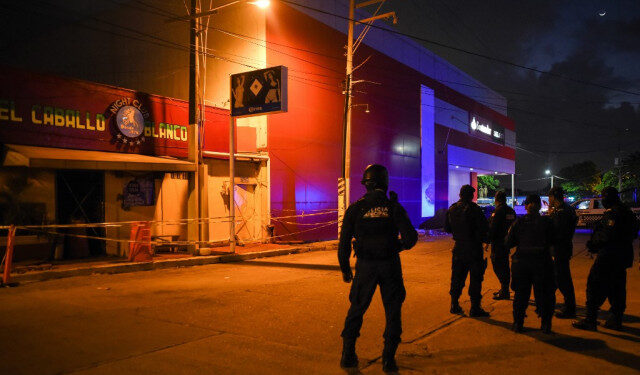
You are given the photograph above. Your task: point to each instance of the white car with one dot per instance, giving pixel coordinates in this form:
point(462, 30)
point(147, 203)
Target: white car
point(588, 210)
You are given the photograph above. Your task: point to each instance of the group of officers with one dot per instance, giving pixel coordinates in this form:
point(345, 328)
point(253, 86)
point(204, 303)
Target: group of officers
point(541, 262)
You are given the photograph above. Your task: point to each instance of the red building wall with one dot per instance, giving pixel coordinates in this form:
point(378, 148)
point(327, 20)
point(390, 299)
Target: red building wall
point(305, 143)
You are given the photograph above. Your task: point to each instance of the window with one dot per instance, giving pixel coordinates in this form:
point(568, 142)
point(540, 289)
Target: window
point(583, 205)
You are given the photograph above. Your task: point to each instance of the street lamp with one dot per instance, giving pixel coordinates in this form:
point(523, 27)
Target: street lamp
point(262, 4)
point(548, 172)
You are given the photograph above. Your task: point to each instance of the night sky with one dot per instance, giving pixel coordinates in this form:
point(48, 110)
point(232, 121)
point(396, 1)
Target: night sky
point(558, 122)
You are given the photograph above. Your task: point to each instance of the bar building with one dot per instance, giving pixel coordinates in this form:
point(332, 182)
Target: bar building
point(71, 155)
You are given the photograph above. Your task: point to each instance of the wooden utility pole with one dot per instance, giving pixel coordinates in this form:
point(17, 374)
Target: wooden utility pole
point(193, 203)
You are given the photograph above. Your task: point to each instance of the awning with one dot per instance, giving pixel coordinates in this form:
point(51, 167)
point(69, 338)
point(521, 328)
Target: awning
point(60, 158)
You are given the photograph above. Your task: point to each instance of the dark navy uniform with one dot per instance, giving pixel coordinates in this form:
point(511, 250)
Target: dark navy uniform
point(501, 220)
point(375, 222)
point(466, 222)
point(532, 266)
point(564, 224)
point(612, 239)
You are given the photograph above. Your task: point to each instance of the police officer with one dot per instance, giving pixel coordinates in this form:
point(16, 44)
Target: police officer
point(466, 222)
point(531, 265)
point(375, 221)
point(612, 240)
point(501, 220)
point(564, 221)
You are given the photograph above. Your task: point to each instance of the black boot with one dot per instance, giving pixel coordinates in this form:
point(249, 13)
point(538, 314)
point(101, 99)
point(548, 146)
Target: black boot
point(455, 307)
point(502, 294)
point(518, 326)
point(349, 358)
point(614, 322)
point(568, 312)
point(389, 357)
point(590, 323)
point(477, 311)
point(545, 326)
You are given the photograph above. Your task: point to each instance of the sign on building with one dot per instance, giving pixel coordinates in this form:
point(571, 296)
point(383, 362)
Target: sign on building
point(259, 92)
point(483, 128)
point(139, 192)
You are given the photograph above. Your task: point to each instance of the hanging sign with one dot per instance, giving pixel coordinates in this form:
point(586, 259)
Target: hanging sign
point(259, 92)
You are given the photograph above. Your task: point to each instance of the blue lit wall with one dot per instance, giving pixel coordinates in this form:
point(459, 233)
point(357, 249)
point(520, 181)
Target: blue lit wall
point(427, 145)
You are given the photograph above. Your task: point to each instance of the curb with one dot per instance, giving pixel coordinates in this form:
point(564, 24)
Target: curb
point(168, 263)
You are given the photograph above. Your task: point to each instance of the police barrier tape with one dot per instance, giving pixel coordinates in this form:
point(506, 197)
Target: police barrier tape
point(117, 224)
point(177, 243)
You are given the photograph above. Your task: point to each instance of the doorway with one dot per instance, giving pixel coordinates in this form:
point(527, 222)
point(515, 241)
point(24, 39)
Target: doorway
point(80, 200)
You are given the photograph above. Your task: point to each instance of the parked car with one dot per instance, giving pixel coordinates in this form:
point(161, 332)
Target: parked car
point(590, 210)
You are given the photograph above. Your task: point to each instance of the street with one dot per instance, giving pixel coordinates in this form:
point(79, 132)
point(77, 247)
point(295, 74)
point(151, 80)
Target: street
point(284, 315)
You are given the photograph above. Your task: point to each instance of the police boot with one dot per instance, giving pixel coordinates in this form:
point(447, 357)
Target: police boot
point(567, 313)
point(518, 326)
point(614, 322)
point(590, 323)
point(501, 294)
point(477, 311)
point(545, 326)
point(455, 306)
point(349, 358)
point(389, 357)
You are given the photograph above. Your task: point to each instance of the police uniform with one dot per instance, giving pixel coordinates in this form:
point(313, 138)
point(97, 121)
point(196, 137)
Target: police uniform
point(564, 224)
point(375, 221)
point(532, 266)
point(501, 220)
point(612, 239)
point(466, 222)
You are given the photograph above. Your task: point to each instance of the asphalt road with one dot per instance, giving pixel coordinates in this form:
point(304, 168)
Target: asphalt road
point(284, 315)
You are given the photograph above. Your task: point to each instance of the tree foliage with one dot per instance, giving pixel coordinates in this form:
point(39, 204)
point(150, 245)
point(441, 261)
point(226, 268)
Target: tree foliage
point(491, 183)
point(580, 179)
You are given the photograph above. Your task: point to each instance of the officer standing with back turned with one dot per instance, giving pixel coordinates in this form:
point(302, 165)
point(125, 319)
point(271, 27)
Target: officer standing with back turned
point(501, 220)
point(532, 265)
point(612, 239)
point(375, 221)
point(564, 221)
point(466, 222)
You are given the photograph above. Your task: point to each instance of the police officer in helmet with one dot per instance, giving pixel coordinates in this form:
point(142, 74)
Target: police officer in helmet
point(612, 241)
point(375, 221)
point(501, 220)
point(564, 221)
point(531, 265)
point(466, 222)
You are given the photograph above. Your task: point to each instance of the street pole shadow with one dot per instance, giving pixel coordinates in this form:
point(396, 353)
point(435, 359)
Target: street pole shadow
point(591, 347)
point(321, 267)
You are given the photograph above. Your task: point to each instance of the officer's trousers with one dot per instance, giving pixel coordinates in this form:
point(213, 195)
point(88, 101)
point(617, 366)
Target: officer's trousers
point(500, 262)
point(461, 266)
point(369, 274)
point(536, 272)
point(564, 280)
point(606, 280)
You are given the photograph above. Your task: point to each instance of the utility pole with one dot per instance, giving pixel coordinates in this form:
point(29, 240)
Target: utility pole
point(193, 203)
point(344, 182)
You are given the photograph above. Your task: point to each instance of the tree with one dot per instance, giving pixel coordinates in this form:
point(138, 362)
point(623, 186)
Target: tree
point(629, 174)
point(580, 179)
point(491, 183)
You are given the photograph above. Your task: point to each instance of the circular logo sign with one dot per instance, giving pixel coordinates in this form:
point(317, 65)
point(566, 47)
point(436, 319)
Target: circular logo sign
point(130, 121)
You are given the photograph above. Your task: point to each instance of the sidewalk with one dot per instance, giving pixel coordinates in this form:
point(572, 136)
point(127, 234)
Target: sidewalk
point(111, 265)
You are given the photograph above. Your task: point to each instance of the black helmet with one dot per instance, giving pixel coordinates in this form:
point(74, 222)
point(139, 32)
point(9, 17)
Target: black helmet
point(375, 176)
point(501, 196)
point(610, 196)
point(557, 192)
point(533, 198)
point(466, 192)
